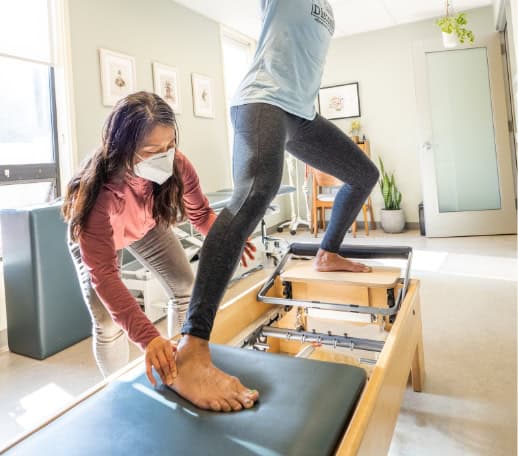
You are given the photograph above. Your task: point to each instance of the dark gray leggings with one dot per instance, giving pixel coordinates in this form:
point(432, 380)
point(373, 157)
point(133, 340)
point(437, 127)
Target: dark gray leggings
point(262, 133)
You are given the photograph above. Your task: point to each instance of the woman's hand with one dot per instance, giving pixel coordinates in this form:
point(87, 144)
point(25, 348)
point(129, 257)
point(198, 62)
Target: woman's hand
point(250, 248)
point(160, 354)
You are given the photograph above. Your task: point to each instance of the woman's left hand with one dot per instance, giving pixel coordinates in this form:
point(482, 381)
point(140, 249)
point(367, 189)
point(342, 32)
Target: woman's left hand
point(250, 248)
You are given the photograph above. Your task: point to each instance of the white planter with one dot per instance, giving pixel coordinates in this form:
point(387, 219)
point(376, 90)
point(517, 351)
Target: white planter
point(392, 221)
point(449, 40)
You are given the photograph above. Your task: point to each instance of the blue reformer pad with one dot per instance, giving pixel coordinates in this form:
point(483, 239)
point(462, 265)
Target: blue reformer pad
point(304, 409)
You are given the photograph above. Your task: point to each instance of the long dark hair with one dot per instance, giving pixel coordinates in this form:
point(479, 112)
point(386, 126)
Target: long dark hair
point(131, 120)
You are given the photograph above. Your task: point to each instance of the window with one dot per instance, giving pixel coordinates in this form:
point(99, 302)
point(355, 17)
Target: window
point(237, 57)
point(29, 172)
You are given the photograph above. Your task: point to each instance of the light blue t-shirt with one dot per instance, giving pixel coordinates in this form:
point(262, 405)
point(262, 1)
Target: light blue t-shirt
point(289, 60)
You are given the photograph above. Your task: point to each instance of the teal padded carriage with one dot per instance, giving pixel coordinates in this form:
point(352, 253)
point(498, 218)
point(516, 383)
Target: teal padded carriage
point(304, 409)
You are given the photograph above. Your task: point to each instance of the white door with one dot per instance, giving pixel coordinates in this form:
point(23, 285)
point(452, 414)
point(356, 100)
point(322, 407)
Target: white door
point(465, 157)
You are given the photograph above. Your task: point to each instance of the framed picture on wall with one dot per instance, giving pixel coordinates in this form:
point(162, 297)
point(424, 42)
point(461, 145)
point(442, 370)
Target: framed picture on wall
point(118, 76)
point(203, 97)
point(339, 102)
point(166, 84)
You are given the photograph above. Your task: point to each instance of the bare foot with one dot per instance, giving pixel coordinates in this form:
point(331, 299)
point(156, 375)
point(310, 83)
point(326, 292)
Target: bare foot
point(203, 384)
point(326, 261)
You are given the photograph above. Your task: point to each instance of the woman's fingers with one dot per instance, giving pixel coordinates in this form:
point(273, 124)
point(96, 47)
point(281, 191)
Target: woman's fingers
point(158, 368)
point(250, 253)
point(243, 261)
point(172, 360)
point(160, 354)
point(149, 371)
point(163, 358)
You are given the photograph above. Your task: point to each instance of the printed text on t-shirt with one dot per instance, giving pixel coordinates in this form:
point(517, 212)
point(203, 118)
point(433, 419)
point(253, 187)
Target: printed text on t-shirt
point(324, 15)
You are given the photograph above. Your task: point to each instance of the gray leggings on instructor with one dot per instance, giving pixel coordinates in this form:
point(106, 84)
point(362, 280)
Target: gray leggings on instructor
point(262, 133)
point(160, 252)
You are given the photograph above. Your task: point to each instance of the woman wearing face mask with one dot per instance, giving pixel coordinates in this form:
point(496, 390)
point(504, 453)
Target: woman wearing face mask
point(127, 195)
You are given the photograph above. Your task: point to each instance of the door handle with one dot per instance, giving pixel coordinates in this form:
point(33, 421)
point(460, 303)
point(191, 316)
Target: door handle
point(427, 145)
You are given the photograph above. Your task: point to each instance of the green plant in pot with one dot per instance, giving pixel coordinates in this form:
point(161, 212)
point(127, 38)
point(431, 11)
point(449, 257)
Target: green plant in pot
point(454, 29)
point(392, 216)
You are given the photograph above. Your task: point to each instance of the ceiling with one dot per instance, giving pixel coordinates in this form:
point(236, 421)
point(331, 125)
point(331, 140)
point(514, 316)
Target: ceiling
point(351, 16)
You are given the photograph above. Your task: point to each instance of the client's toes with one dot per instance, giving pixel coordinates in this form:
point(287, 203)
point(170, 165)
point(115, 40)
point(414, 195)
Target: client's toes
point(215, 406)
point(236, 406)
point(248, 398)
point(225, 406)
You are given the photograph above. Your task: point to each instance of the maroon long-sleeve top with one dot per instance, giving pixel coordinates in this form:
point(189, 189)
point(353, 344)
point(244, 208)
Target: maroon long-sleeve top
point(123, 214)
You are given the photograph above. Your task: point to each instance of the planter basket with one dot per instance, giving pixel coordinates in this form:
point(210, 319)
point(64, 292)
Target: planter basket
point(449, 40)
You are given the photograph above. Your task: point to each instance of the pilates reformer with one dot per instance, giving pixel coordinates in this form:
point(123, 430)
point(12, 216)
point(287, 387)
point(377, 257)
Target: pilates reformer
point(328, 385)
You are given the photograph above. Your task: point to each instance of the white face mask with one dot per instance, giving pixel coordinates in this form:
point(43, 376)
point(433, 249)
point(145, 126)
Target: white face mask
point(157, 168)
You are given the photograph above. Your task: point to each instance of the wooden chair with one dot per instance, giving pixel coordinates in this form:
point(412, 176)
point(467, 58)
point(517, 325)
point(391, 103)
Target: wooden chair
point(322, 201)
point(367, 206)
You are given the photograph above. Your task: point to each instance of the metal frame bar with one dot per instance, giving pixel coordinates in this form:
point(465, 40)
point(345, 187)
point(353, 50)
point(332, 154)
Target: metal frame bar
point(324, 339)
point(54, 126)
point(21, 174)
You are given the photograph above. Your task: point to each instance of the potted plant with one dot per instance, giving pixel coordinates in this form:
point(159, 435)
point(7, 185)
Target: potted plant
point(454, 30)
point(354, 131)
point(392, 216)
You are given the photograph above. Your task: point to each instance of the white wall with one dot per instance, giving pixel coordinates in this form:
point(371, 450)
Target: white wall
point(513, 31)
point(161, 31)
point(381, 62)
point(3, 318)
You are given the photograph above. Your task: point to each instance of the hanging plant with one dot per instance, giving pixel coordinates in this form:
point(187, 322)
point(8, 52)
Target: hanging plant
point(454, 28)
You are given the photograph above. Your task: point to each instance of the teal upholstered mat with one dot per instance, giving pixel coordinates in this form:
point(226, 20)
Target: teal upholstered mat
point(304, 408)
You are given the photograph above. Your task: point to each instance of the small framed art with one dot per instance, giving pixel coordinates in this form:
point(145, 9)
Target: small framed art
point(167, 85)
point(118, 76)
point(203, 97)
point(339, 102)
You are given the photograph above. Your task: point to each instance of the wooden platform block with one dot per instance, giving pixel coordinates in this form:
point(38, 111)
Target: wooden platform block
point(333, 292)
point(379, 277)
